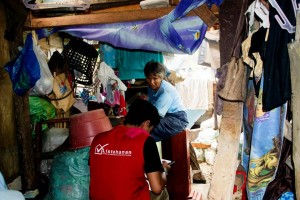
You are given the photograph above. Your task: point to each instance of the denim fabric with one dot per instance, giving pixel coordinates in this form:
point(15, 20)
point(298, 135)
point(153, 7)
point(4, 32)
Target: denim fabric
point(170, 125)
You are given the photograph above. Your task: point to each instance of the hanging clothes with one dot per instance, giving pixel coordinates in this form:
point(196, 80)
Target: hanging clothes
point(284, 181)
point(212, 48)
point(131, 63)
point(112, 93)
point(108, 54)
point(123, 107)
point(277, 81)
point(264, 147)
point(126, 62)
point(106, 73)
point(257, 54)
point(253, 60)
point(194, 90)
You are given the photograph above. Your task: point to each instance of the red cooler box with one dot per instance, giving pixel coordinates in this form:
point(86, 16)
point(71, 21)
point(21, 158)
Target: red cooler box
point(85, 126)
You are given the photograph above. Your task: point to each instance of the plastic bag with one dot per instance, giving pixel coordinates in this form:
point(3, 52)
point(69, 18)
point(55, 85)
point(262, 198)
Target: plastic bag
point(52, 139)
point(70, 176)
point(40, 109)
point(24, 71)
point(45, 84)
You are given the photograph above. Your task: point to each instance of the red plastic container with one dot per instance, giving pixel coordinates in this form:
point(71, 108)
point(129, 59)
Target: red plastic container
point(85, 126)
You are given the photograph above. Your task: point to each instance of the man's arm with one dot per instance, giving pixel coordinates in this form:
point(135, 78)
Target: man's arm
point(157, 181)
point(153, 167)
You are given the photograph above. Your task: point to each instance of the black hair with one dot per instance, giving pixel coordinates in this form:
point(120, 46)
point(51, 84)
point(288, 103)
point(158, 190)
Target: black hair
point(155, 68)
point(141, 110)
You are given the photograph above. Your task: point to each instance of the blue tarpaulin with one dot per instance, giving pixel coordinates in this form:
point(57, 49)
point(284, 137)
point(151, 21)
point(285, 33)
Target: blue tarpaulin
point(173, 33)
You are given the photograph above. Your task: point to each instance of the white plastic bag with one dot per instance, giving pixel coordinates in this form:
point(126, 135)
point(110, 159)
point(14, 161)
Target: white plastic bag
point(44, 85)
point(52, 139)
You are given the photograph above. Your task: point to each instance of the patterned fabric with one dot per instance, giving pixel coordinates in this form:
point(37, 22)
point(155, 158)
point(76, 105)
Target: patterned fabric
point(262, 150)
point(287, 196)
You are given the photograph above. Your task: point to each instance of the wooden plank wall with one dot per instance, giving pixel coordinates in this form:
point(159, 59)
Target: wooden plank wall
point(294, 52)
point(9, 152)
point(18, 113)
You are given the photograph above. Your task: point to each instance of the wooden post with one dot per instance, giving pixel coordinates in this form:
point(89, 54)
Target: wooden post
point(25, 142)
point(294, 53)
point(14, 14)
point(9, 156)
point(225, 166)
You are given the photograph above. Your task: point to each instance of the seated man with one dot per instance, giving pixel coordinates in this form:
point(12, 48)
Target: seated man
point(120, 158)
point(166, 99)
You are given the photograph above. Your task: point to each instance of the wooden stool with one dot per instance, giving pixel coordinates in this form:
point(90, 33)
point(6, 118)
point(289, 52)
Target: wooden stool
point(178, 180)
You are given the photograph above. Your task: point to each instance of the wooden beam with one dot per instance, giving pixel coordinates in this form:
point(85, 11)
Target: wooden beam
point(200, 145)
point(206, 15)
point(115, 15)
point(97, 18)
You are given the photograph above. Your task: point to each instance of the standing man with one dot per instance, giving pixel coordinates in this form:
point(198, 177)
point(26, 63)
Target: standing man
point(121, 157)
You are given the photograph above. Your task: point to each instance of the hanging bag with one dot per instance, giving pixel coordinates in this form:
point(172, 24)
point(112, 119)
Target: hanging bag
point(24, 71)
point(44, 85)
point(62, 95)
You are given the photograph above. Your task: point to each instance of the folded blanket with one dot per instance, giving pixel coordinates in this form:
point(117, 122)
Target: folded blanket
point(147, 4)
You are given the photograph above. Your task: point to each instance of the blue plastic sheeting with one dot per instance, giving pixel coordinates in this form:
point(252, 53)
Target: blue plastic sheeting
point(173, 33)
point(24, 70)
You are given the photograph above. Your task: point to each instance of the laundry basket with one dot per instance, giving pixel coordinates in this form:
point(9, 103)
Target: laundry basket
point(82, 58)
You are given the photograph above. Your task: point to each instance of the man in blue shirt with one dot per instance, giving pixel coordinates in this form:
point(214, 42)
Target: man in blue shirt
point(164, 96)
point(166, 99)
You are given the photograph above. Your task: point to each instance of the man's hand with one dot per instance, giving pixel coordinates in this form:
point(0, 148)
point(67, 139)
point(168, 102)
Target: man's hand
point(166, 166)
